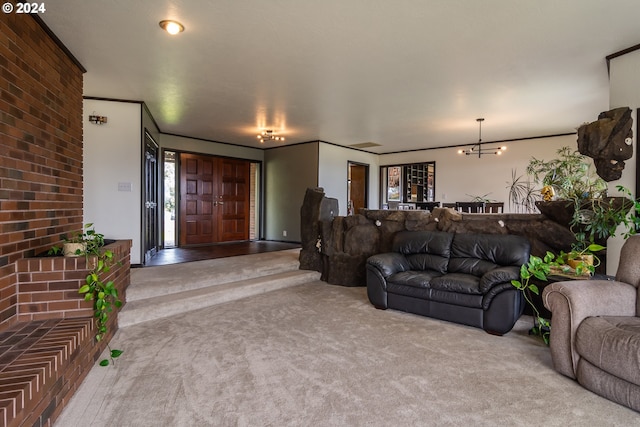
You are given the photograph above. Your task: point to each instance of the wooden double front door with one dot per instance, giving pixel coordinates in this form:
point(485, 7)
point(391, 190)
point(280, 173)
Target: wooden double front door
point(214, 199)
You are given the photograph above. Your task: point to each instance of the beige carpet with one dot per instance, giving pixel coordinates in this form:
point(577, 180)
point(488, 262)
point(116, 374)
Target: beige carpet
point(321, 355)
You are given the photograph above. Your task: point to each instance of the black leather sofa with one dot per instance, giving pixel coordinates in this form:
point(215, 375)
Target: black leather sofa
point(463, 278)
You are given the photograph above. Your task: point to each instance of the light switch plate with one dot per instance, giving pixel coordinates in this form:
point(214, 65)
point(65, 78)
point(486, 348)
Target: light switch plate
point(124, 186)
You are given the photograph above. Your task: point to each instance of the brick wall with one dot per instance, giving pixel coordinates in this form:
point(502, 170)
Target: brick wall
point(39, 350)
point(40, 151)
point(49, 285)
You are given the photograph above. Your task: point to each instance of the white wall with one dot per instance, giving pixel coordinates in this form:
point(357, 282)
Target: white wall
point(333, 171)
point(459, 178)
point(289, 171)
point(194, 145)
point(624, 91)
point(112, 155)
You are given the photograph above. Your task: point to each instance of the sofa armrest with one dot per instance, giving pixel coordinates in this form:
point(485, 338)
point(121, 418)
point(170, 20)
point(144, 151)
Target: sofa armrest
point(573, 301)
point(389, 263)
point(498, 275)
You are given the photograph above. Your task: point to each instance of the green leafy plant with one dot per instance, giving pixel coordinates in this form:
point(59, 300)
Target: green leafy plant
point(583, 261)
point(595, 220)
point(103, 294)
point(91, 241)
point(538, 268)
point(598, 218)
point(570, 175)
point(522, 194)
point(631, 220)
point(541, 268)
point(483, 198)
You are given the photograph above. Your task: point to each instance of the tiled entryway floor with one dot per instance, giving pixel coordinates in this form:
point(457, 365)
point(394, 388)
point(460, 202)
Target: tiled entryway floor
point(199, 253)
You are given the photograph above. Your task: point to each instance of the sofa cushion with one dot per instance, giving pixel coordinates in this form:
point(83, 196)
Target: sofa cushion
point(475, 266)
point(424, 249)
point(416, 279)
point(427, 293)
point(492, 249)
point(457, 282)
point(456, 298)
point(420, 262)
point(611, 344)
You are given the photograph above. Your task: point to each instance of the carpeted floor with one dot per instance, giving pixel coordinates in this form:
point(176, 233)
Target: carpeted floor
point(321, 355)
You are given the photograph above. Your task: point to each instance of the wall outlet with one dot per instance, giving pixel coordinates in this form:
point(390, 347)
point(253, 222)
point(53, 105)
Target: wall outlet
point(444, 196)
point(284, 233)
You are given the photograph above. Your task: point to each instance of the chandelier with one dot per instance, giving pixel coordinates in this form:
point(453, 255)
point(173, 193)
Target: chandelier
point(269, 135)
point(478, 149)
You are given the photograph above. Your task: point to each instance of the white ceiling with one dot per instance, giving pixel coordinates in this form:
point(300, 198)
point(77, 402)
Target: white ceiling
point(405, 74)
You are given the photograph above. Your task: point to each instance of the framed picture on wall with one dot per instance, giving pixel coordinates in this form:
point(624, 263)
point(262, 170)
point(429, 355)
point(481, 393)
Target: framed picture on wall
point(394, 183)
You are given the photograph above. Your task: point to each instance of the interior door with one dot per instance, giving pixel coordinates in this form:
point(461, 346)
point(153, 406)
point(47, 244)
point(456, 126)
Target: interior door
point(151, 236)
point(357, 186)
point(214, 199)
point(233, 200)
point(197, 199)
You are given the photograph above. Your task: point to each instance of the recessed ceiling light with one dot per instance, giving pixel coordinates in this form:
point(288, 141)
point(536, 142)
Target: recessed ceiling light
point(171, 27)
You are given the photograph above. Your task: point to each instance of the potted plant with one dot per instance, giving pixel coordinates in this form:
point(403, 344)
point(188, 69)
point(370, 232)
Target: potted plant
point(565, 181)
point(580, 261)
point(83, 242)
point(570, 175)
point(580, 202)
point(595, 220)
point(103, 294)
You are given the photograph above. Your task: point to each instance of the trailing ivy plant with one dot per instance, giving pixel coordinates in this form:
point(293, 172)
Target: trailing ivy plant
point(539, 268)
point(631, 220)
point(104, 295)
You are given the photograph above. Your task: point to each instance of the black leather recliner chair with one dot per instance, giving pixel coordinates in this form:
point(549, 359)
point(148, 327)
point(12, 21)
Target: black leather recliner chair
point(463, 278)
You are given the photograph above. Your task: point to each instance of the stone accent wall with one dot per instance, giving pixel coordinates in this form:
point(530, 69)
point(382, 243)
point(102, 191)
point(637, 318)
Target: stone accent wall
point(40, 151)
point(338, 247)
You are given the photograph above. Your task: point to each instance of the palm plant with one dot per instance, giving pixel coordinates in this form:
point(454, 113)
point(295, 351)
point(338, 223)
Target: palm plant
point(522, 194)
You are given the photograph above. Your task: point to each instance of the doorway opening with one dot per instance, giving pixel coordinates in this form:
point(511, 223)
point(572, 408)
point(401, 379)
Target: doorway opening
point(233, 213)
point(169, 201)
point(357, 187)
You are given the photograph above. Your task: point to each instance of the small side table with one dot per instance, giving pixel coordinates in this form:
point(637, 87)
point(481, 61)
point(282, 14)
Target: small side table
point(552, 278)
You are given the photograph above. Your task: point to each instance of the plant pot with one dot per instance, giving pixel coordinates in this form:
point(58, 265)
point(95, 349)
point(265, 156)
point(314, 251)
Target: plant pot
point(582, 259)
point(73, 249)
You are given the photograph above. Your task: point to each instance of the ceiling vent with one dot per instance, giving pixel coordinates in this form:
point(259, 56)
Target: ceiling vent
point(365, 145)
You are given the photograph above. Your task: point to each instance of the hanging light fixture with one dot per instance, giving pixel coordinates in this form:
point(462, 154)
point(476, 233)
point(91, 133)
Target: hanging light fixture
point(477, 149)
point(269, 135)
